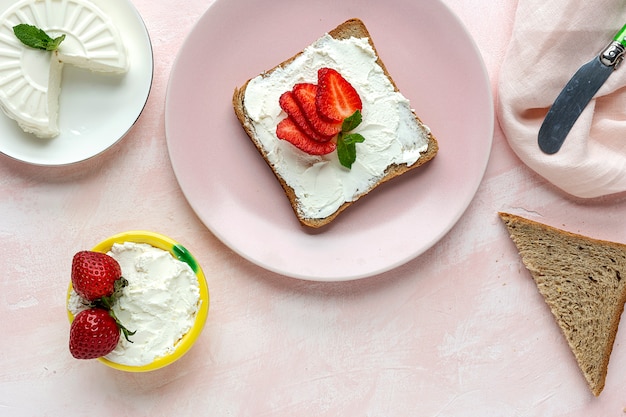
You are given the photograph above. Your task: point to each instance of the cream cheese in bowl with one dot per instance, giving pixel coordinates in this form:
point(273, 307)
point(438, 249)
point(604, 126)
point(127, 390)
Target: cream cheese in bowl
point(165, 301)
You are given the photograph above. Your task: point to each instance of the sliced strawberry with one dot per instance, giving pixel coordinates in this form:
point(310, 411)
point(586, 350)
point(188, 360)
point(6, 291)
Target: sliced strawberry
point(305, 94)
point(336, 99)
point(288, 130)
point(289, 104)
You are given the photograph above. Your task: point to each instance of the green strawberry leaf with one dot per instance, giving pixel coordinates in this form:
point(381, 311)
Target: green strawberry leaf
point(107, 303)
point(36, 38)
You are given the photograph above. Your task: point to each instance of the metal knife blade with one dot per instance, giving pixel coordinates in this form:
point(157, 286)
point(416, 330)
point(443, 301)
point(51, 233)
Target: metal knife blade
point(578, 92)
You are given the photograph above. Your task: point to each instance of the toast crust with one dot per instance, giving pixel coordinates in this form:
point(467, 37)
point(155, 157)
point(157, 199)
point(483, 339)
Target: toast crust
point(581, 280)
point(350, 28)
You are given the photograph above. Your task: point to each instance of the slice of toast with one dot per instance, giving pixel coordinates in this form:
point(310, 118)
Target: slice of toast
point(292, 166)
point(583, 281)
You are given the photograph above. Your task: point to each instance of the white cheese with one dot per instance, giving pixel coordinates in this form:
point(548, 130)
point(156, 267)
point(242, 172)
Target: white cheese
point(30, 79)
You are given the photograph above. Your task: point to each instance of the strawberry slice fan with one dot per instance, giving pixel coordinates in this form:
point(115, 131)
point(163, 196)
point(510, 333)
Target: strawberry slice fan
point(321, 116)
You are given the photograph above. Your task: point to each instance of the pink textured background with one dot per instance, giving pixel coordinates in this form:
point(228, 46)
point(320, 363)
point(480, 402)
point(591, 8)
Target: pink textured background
point(460, 331)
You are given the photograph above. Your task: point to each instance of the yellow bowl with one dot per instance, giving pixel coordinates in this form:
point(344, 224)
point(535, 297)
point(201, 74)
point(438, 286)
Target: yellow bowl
point(179, 252)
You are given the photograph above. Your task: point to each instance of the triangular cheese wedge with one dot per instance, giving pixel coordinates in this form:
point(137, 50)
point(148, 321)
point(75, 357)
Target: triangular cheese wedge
point(583, 281)
point(30, 79)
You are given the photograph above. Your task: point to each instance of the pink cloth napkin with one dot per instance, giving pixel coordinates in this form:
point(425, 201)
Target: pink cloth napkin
point(550, 41)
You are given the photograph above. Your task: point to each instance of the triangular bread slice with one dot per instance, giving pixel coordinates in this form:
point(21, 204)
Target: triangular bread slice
point(583, 281)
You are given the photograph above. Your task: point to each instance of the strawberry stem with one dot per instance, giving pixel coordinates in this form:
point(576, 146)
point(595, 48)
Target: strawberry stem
point(107, 303)
point(124, 330)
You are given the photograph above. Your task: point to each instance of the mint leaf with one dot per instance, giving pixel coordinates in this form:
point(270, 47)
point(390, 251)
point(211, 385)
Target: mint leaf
point(346, 142)
point(353, 138)
point(36, 38)
point(346, 148)
point(54, 45)
point(350, 123)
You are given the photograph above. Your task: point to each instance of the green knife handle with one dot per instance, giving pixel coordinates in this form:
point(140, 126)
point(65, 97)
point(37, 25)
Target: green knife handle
point(613, 54)
point(621, 36)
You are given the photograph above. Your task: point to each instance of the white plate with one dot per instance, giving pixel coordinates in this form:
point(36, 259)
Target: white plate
point(435, 64)
point(95, 111)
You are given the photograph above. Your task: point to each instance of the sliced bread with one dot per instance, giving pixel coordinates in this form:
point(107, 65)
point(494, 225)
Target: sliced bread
point(318, 187)
point(583, 281)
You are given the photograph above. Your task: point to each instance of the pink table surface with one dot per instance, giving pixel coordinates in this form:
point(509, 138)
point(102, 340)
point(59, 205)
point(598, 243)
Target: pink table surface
point(459, 331)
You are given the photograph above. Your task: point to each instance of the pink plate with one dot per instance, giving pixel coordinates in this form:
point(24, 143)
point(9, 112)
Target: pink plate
point(434, 62)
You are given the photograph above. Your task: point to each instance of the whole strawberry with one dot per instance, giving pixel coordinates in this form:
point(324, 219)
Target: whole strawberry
point(93, 333)
point(94, 274)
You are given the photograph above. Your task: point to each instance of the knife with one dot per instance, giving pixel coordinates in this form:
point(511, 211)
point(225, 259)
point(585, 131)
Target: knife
point(577, 93)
